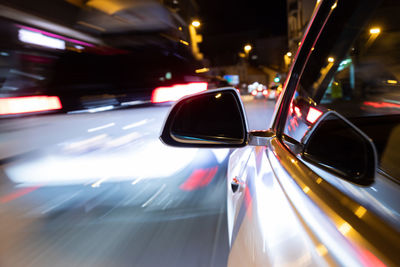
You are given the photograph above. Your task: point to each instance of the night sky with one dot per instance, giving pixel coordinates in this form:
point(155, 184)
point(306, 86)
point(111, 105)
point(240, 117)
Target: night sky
point(228, 25)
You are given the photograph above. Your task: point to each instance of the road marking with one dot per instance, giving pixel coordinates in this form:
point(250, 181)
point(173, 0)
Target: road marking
point(101, 127)
point(136, 124)
point(154, 196)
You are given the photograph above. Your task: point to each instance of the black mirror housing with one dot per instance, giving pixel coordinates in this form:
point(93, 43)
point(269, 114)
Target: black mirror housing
point(338, 146)
point(214, 119)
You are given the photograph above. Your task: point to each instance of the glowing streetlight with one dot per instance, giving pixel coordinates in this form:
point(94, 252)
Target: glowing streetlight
point(375, 31)
point(331, 59)
point(247, 48)
point(196, 23)
point(289, 54)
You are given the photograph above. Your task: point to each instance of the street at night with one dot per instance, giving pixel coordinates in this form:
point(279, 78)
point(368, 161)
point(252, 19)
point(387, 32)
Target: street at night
point(107, 192)
point(182, 133)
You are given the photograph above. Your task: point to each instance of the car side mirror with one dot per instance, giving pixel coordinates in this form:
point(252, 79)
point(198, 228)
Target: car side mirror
point(213, 118)
point(338, 146)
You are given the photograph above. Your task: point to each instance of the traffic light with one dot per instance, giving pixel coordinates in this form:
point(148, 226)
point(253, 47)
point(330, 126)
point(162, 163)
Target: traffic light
point(277, 79)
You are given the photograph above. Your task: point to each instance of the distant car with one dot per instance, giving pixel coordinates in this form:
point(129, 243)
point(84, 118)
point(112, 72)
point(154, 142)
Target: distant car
point(321, 186)
point(258, 90)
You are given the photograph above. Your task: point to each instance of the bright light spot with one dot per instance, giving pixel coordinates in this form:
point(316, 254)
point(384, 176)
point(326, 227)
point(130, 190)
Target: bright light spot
point(40, 39)
point(4, 54)
point(183, 42)
point(313, 115)
point(297, 111)
point(101, 127)
point(319, 180)
point(254, 92)
point(306, 189)
point(392, 82)
point(247, 48)
point(18, 105)
point(375, 31)
point(168, 75)
point(202, 70)
point(360, 211)
point(218, 95)
point(175, 92)
point(196, 23)
point(331, 59)
point(242, 55)
point(98, 183)
point(265, 92)
point(289, 54)
point(345, 228)
point(334, 6)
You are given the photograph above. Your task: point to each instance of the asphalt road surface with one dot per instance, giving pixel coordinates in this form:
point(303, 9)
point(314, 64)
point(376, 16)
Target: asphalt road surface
point(101, 190)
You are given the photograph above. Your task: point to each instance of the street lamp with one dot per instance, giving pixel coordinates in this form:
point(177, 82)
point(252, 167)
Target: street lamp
point(247, 48)
point(375, 31)
point(289, 54)
point(196, 23)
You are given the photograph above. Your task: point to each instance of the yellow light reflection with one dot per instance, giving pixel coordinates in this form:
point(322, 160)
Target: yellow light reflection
point(360, 211)
point(345, 228)
point(331, 59)
point(218, 95)
point(392, 81)
point(322, 250)
point(334, 6)
point(306, 189)
point(183, 42)
point(289, 54)
point(202, 70)
point(319, 180)
point(375, 30)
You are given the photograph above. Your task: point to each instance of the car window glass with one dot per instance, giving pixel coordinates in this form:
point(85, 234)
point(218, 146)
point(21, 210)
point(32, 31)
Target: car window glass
point(354, 69)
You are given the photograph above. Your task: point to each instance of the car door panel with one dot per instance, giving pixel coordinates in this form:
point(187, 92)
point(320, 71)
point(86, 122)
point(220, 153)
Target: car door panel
point(267, 230)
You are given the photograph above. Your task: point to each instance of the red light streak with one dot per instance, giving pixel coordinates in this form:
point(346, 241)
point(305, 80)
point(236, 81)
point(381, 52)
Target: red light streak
point(175, 92)
point(27, 104)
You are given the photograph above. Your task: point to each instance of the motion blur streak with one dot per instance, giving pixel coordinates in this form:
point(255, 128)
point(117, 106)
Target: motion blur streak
point(18, 105)
point(199, 178)
point(175, 92)
point(40, 39)
point(19, 193)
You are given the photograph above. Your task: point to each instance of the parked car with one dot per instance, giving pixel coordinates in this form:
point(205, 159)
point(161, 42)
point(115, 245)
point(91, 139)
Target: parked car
point(321, 186)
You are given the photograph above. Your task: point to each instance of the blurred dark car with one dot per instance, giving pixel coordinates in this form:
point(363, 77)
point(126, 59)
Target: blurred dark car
point(321, 187)
point(43, 71)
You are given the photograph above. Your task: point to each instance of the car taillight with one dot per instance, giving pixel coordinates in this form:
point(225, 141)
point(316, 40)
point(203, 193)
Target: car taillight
point(27, 104)
point(175, 92)
point(254, 92)
point(265, 92)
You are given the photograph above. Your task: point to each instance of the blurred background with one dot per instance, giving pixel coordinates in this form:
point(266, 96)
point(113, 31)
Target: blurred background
point(85, 86)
